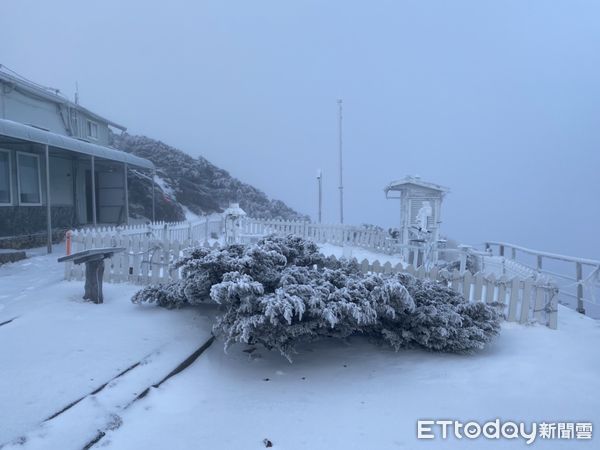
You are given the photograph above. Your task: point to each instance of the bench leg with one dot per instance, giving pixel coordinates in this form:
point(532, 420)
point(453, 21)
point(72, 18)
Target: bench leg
point(94, 273)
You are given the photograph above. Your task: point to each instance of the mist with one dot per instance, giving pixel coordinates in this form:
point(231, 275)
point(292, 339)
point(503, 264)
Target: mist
point(499, 101)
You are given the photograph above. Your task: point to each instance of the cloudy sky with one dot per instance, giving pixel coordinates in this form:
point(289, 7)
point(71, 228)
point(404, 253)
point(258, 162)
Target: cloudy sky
point(498, 100)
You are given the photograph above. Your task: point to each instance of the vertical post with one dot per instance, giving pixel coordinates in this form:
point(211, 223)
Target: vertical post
point(320, 185)
point(539, 263)
point(579, 276)
point(464, 251)
point(206, 230)
point(48, 205)
point(126, 187)
point(153, 197)
point(94, 218)
point(341, 187)
point(501, 248)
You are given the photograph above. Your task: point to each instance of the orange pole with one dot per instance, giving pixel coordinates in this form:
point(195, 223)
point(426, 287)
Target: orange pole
point(68, 236)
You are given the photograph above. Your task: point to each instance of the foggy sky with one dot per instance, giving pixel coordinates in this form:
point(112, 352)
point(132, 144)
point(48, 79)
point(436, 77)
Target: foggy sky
point(498, 100)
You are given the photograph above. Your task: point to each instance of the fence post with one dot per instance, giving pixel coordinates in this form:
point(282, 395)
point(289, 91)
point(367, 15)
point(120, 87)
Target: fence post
point(579, 276)
point(501, 249)
point(463, 257)
point(539, 263)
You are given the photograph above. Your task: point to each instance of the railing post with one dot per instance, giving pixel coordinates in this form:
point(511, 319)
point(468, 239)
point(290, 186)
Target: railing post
point(501, 249)
point(513, 253)
point(539, 263)
point(579, 276)
point(463, 257)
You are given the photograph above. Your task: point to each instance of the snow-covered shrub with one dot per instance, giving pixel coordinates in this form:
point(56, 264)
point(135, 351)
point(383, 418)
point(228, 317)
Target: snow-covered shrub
point(281, 292)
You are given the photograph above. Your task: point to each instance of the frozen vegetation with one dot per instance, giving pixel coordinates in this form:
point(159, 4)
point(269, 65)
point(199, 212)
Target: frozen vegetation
point(194, 184)
point(282, 292)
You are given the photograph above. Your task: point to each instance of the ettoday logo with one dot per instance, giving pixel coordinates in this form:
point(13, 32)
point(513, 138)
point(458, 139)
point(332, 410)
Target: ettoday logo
point(496, 429)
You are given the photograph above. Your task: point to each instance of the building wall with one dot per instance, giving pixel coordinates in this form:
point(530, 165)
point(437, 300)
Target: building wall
point(23, 107)
point(68, 193)
point(31, 220)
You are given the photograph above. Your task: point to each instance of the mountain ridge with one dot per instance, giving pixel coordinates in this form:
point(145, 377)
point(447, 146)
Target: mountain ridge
point(184, 182)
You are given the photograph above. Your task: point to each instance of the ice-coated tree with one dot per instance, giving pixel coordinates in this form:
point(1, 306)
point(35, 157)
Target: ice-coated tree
point(282, 291)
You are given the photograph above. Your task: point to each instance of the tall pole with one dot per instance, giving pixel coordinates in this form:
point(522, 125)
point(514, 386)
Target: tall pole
point(341, 187)
point(94, 218)
point(126, 189)
point(48, 200)
point(153, 197)
point(320, 185)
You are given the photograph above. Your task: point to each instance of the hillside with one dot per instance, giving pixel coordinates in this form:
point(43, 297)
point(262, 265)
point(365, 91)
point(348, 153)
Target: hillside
point(193, 183)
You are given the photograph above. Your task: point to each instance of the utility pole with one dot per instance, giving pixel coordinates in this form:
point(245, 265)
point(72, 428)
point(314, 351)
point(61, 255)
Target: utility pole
point(320, 185)
point(341, 187)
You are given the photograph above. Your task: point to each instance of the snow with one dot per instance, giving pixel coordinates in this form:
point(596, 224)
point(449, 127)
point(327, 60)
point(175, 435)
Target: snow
point(61, 348)
point(339, 396)
point(164, 186)
point(336, 395)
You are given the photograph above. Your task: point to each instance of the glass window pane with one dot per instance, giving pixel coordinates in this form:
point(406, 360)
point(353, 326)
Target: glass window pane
point(4, 178)
point(29, 180)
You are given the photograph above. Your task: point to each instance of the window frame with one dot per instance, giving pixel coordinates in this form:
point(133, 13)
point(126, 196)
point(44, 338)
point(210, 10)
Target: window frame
point(39, 170)
point(10, 180)
point(90, 124)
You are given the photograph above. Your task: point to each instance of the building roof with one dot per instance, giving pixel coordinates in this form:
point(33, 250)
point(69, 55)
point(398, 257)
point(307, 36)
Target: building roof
point(18, 130)
point(34, 89)
point(414, 180)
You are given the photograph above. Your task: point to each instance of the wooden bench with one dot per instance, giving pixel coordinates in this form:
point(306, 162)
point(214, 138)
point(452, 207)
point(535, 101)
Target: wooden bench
point(94, 269)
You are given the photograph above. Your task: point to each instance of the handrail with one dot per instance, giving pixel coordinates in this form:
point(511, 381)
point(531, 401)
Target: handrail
point(579, 263)
point(590, 262)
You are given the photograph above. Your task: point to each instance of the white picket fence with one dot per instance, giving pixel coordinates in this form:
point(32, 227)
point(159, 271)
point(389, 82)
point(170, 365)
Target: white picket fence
point(376, 240)
point(148, 259)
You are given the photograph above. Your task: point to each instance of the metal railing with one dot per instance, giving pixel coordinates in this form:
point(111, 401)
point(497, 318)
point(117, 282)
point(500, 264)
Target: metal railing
point(579, 274)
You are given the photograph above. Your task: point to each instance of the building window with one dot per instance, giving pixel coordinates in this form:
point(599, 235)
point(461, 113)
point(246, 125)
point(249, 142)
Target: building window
point(5, 178)
point(92, 130)
point(28, 176)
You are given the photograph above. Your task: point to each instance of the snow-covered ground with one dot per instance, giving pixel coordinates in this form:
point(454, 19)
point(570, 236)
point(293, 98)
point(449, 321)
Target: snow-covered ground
point(336, 395)
point(59, 348)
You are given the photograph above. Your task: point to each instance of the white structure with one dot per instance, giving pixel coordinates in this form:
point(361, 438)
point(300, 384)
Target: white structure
point(420, 210)
point(233, 223)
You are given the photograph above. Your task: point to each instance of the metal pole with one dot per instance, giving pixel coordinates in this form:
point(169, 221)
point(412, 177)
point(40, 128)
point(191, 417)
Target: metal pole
point(319, 180)
point(153, 197)
point(125, 170)
point(94, 219)
point(579, 276)
point(48, 206)
point(341, 187)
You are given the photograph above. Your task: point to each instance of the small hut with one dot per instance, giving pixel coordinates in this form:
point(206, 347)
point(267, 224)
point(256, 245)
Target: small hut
point(420, 210)
point(233, 223)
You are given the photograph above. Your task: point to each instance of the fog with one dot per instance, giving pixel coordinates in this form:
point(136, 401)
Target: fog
point(499, 101)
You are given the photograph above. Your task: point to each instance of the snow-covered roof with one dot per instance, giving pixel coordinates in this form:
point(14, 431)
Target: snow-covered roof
point(414, 180)
point(234, 210)
point(32, 134)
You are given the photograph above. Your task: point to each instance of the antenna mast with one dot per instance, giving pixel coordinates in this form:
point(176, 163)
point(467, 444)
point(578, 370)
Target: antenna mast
point(320, 186)
point(341, 187)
